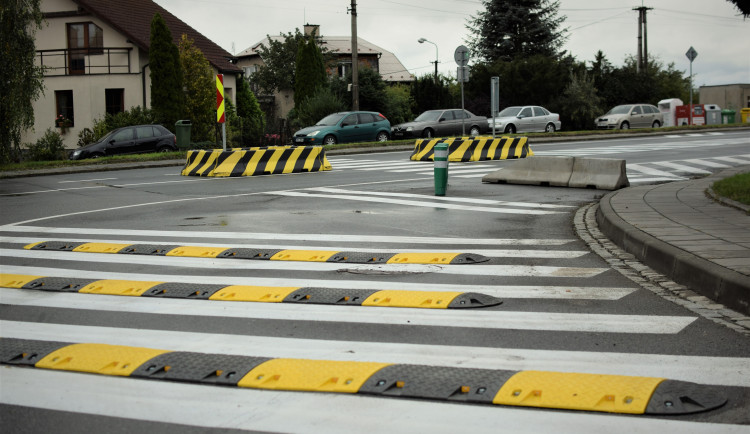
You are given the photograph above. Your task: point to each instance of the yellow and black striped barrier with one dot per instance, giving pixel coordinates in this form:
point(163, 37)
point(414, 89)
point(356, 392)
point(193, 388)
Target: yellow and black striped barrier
point(273, 160)
point(262, 254)
point(474, 148)
point(250, 293)
point(543, 389)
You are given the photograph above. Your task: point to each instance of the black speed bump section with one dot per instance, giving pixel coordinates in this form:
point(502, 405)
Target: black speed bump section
point(443, 258)
point(540, 389)
point(260, 294)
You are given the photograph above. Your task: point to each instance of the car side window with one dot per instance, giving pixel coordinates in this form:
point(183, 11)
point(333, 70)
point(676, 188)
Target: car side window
point(447, 115)
point(366, 118)
point(145, 132)
point(126, 134)
point(653, 109)
point(637, 110)
point(539, 111)
point(526, 112)
point(459, 114)
point(350, 120)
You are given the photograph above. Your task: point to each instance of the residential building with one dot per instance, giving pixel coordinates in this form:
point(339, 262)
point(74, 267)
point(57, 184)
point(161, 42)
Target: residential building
point(368, 54)
point(95, 59)
point(727, 96)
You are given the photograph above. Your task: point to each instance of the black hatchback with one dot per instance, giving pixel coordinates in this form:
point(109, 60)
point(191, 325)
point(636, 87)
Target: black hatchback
point(137, 139)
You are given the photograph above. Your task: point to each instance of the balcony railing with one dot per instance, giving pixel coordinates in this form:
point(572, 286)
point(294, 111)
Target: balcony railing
point(85, 61)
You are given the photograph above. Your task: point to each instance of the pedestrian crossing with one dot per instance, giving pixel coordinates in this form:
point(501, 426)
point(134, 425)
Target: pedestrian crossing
point(638, 173)
point(555, 275)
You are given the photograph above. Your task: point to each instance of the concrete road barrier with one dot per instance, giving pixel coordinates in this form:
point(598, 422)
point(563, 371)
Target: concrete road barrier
point(272, 160)
point(577, 172)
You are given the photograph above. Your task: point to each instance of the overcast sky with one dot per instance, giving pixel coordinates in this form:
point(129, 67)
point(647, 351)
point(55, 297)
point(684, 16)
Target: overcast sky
point(713, 27)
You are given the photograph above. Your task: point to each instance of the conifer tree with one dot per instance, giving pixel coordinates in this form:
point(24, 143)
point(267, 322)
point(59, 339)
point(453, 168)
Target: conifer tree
point(200, 96)
point(167, 96)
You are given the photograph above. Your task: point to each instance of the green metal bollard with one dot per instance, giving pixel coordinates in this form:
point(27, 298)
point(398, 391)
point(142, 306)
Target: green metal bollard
point(440, 156)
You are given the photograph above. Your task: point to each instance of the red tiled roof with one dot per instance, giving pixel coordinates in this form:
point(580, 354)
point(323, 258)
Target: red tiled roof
point(133, 19)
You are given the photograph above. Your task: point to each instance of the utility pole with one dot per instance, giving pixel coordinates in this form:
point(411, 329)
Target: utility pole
point(355, 65)
point(642, 64)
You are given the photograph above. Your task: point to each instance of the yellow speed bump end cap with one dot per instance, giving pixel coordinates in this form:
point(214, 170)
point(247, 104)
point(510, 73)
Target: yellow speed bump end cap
point(98, 359)
point(303, 255)
point(310, 375)
point(422, 258)
point(421, 299)
point(118, 287)
point(32, 245)
point(16, 280)
point(196, 251)
point(100, 247)
point(267, 294)
point(573, 391)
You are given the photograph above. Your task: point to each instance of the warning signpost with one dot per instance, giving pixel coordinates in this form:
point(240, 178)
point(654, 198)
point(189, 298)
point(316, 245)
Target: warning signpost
point(220, 118)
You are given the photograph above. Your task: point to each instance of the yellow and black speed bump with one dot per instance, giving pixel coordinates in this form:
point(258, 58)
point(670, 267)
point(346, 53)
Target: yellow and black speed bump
point(443, 258)
point(541, 389)
point(474, 148)
point(260, 294)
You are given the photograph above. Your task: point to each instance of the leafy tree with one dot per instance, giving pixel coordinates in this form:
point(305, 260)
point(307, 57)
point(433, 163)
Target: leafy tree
point(579, 103)
point(249, 112)
point(508, 29)
point(278, 70)
point(372, 96)
point(314, 108)
point(310, 72)
point(399, 103)
point(48, 147)
point(21, 81)
point(167, 95)
point(427, 95)
point(134, 116)
point(743, 6)
point(628, 85)
point(200, 98)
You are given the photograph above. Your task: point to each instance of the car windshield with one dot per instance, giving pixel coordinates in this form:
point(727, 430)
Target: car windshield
point(428, 116)
point(330, 120)
point(510, 111)
point(620, 110)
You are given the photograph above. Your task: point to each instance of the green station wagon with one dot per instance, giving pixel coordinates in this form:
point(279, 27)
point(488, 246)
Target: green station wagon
point(345, 127)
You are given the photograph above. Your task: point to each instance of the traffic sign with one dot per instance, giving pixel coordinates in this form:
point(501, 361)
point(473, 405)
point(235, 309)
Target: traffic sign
point(220, 98)
point(462, 74)
point(691, 54)
point(461, 55)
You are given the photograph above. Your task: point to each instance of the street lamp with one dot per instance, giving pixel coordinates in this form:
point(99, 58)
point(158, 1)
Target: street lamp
point(423, 40)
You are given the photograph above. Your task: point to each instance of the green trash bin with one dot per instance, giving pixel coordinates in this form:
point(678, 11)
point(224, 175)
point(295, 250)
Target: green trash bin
point(727, 116)
point(182, 131)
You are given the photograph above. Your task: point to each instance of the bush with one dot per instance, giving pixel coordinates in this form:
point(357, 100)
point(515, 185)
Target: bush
point(49, 147)
point(86, 137)
point(135, 116)
point(323, 103)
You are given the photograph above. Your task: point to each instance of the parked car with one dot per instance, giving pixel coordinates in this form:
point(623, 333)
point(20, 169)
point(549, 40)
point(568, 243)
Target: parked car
point(631, 116)
point(137, 139)
point(441, 123)
point(526, 119)
point(345, 127)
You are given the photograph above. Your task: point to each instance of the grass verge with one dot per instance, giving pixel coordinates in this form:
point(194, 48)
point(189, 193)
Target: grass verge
point(736, 187)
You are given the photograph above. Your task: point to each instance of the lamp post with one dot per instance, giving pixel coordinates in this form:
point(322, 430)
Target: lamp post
point(423, 40)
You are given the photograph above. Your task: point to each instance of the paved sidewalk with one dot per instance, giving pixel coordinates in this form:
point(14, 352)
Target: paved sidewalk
point(681, 232)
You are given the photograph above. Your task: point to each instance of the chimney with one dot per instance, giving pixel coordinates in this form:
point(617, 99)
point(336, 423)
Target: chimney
point(312, 29)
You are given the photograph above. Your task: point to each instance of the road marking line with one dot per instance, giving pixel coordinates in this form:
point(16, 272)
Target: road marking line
point(650, 171)
point(408, 317)
point(86, 180)
point(681, 167)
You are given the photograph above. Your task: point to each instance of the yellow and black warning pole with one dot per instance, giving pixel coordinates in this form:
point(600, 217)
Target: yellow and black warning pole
point(440, 157)
point(220, 118)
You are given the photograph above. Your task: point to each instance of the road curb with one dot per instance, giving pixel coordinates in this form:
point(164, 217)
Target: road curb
point(718, 283)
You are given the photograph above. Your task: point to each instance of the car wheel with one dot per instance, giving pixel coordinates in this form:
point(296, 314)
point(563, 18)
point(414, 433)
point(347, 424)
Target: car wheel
point(550, 128)
point(329, 140)
point(97, 155)
point(510, 129)
point(474, 131)
point(625, 125)
point(165, 149)
point(656, 124)
point(382, 137)
point(428, 133)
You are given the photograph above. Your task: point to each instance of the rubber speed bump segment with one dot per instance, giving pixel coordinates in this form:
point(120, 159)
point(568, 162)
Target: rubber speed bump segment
point(540, 389)
point(264, 254)
point(260, 294)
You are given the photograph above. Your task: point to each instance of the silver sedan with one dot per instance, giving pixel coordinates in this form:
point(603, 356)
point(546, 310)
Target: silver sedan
point(527, 119)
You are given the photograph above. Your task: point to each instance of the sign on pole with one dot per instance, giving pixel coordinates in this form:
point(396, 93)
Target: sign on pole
point(461, 55)
point(691, 55)
point(494, 100)
point(220, 109)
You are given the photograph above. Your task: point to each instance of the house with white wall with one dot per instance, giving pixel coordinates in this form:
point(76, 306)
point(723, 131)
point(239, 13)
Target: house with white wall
point(95, 59)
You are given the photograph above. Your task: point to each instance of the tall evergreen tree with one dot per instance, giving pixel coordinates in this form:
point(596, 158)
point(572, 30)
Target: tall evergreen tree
point(200, 96)
point(250, 113)
point(508, 29)
point(21, 81)
point(167, 96)
point(310, 73)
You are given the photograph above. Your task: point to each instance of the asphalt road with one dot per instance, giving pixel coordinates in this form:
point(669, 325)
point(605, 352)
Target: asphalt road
point(563, 307)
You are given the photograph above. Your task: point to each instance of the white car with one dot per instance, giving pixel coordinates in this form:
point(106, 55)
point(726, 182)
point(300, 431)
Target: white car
point(631, 116)
point(526, 119)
